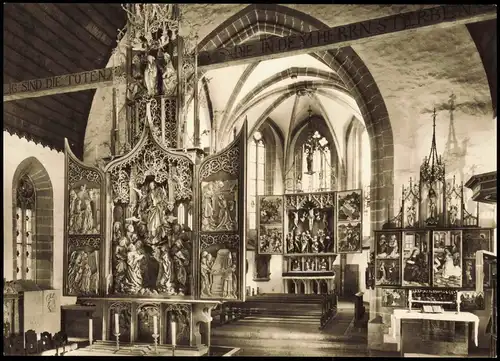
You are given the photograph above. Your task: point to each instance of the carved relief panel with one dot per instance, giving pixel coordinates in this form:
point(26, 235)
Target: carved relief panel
point(151, 253)
point(222, 195)
point(84, 230)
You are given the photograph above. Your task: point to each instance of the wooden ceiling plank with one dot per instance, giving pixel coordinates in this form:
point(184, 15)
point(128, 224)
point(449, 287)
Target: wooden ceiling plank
point(28, 108)
point(55, 12)
point(50, 67)
point(118, 19)
point(72, 102)
point(96, 25)
point(31, 117)
point(34, 130)
point(52, 33)
point(17, 37)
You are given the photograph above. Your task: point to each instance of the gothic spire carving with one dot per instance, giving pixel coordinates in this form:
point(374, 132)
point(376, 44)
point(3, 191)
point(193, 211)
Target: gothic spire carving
point(454, 154)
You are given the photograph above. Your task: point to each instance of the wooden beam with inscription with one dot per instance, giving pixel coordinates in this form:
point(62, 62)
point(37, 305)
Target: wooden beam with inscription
point(60, 84)
point(344, 35)
point(275, 47)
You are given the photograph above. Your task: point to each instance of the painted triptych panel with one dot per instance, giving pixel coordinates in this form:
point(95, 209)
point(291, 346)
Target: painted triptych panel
point(270, 224)
point(349, 213)
point(447, 259)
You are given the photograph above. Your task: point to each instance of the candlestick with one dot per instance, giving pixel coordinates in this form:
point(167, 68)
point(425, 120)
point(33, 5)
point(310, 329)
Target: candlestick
point(91, 330)
point(117, 323)
point(459, 301)
point(174, 337)
point(155, 338)
point(155, 325)
point(173, 331)
point(117, 335)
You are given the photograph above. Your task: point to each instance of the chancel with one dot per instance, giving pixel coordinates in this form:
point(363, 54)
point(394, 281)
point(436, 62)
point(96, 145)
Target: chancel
point(250, 180)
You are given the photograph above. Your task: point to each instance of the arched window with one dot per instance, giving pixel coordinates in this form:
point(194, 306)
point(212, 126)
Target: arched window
point(256, 175)
point(24, 267)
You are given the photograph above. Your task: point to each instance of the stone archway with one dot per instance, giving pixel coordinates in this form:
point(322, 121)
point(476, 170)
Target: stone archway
point(44, 218)
point(282, 21)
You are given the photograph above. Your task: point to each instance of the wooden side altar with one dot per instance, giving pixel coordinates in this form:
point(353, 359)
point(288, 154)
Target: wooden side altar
point(155, 234)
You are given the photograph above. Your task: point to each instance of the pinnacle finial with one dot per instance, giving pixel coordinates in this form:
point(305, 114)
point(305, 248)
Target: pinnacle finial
point(451, 102)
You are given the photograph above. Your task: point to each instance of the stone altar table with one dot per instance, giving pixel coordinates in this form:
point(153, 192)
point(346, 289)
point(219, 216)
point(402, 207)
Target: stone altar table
point(403, 314)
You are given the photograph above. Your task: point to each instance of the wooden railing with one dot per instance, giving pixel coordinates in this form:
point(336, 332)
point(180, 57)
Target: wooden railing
point(328, 309)
point(30, 344)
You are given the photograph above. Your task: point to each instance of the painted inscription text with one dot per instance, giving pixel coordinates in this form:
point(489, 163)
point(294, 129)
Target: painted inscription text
point(344, 33)
point(68, 80)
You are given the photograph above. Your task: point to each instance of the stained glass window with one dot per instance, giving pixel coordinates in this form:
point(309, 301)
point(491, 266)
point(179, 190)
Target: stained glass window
point(256, 175)
point(24, 228)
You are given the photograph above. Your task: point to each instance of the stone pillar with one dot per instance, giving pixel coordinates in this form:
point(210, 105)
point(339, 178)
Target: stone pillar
point(343, 264)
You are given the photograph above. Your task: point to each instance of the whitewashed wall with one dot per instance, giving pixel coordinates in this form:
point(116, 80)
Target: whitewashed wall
point(16, 150)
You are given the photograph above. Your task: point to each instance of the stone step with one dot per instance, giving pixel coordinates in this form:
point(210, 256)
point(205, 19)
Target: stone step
point(285, 347)
point(291, 313)
point(258, 332)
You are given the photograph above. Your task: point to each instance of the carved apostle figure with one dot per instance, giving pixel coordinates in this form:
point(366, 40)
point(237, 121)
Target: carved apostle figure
point(169, 77)
point(181, 261)
point(150, 76)
point(165, 271)
point(205, 273)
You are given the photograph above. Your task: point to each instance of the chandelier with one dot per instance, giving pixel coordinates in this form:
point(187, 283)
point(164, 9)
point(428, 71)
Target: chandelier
point(432, 169)
point(152, 26)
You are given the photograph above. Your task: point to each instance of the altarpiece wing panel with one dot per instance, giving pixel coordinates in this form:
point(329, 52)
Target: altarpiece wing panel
point(83, 228)
point(270, 224)
point(348, 221)
point(222, 183)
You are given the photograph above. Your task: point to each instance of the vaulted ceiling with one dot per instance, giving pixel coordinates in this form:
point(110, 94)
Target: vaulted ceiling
point(46, 39)
point(280, 91)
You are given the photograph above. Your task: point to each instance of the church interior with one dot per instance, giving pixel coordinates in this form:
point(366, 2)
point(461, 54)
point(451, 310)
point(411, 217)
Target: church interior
point(250, 180)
